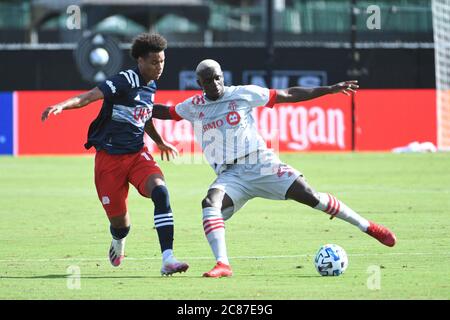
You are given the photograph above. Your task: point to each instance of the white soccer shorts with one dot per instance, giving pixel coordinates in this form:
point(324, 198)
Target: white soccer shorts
point(268, 178)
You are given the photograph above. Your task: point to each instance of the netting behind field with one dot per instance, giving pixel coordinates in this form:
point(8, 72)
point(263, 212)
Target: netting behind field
point(441, 28)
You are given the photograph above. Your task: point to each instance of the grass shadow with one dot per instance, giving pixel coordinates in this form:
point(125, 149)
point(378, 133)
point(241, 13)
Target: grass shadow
point(67, 276)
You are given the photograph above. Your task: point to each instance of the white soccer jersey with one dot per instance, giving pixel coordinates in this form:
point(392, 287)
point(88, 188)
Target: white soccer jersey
point(225, 128)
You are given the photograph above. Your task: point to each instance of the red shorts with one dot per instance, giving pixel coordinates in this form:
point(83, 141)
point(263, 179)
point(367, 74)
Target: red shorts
point(113, 172)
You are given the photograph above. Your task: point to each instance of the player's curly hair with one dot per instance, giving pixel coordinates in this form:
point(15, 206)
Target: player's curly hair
point(145, 43)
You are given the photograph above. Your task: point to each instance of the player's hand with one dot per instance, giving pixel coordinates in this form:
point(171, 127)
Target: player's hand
point(346, 87)
point(53, 109)
point(167, 149)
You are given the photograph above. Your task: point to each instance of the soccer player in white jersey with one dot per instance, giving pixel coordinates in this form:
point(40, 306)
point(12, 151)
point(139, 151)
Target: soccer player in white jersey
point(245, 167)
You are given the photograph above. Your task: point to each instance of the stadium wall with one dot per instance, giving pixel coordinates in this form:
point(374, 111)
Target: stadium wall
point(384, 119)
point(51, 69)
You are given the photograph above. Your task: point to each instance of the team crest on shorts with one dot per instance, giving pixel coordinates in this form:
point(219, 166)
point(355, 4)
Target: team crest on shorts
point(285, 169)
point(105, 200)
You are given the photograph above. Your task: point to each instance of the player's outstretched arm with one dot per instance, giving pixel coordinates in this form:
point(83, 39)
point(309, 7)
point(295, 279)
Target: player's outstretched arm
point(166, 148)
point(161, 111)
point(296, 94)
point(73, 103)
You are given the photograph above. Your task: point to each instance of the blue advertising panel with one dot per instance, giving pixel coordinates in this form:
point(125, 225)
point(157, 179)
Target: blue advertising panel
point(6, 123)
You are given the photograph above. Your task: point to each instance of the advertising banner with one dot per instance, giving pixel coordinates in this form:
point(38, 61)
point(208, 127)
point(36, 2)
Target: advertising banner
point(384, 119)
point(387, 119)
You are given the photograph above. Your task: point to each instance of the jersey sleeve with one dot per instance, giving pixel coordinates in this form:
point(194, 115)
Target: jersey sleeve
point(258, 96)
point(114, 86)
point(183, 110)
point(173, 113)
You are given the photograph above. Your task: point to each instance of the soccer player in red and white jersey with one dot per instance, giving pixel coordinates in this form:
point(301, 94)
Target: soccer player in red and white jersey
point(245, 167)
point(121, 157)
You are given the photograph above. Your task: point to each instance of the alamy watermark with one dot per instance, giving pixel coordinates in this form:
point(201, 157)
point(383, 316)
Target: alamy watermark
point(73, 277)
point(225, 147)
point(73, 21)
point(373, 22)
point(374, 279)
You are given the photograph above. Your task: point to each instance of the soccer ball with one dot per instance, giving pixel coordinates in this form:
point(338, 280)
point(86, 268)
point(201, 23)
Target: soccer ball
point(331, 260)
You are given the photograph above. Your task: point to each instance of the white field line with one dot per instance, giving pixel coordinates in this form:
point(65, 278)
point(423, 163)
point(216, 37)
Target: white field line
point(234, 258)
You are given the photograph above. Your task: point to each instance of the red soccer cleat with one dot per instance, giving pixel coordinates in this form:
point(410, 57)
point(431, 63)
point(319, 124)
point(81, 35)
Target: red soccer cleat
point(219, 270)
point(382, 234)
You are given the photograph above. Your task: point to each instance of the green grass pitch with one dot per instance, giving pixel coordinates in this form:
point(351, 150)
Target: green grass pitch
point(53, 226)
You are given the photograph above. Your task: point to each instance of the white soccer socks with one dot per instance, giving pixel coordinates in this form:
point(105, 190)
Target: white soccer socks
point(214, 228)
point(167, 254)
point(336, 208)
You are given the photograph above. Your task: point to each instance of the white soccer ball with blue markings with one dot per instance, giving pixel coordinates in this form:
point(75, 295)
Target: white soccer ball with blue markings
point(331, 260)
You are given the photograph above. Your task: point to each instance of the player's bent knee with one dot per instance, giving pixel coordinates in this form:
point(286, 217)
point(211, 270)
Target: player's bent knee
point(160, 192)
point(153, 181)
point(208, 203)
point(160, 197)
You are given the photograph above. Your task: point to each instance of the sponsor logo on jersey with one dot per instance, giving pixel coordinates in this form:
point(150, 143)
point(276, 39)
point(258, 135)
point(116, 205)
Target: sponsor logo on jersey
point(136, 116)
point(232, 106)
point(142, 113)
point(111, 85)
point(198, 99)
point(213, 125)
point(233, 118)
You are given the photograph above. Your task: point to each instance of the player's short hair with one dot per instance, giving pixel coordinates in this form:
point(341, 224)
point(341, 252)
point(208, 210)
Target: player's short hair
point(145, 43)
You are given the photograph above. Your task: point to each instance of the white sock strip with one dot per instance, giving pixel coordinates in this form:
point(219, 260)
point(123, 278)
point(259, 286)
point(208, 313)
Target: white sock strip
point(167, 254)
point(336, 208)
point(215, 233)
